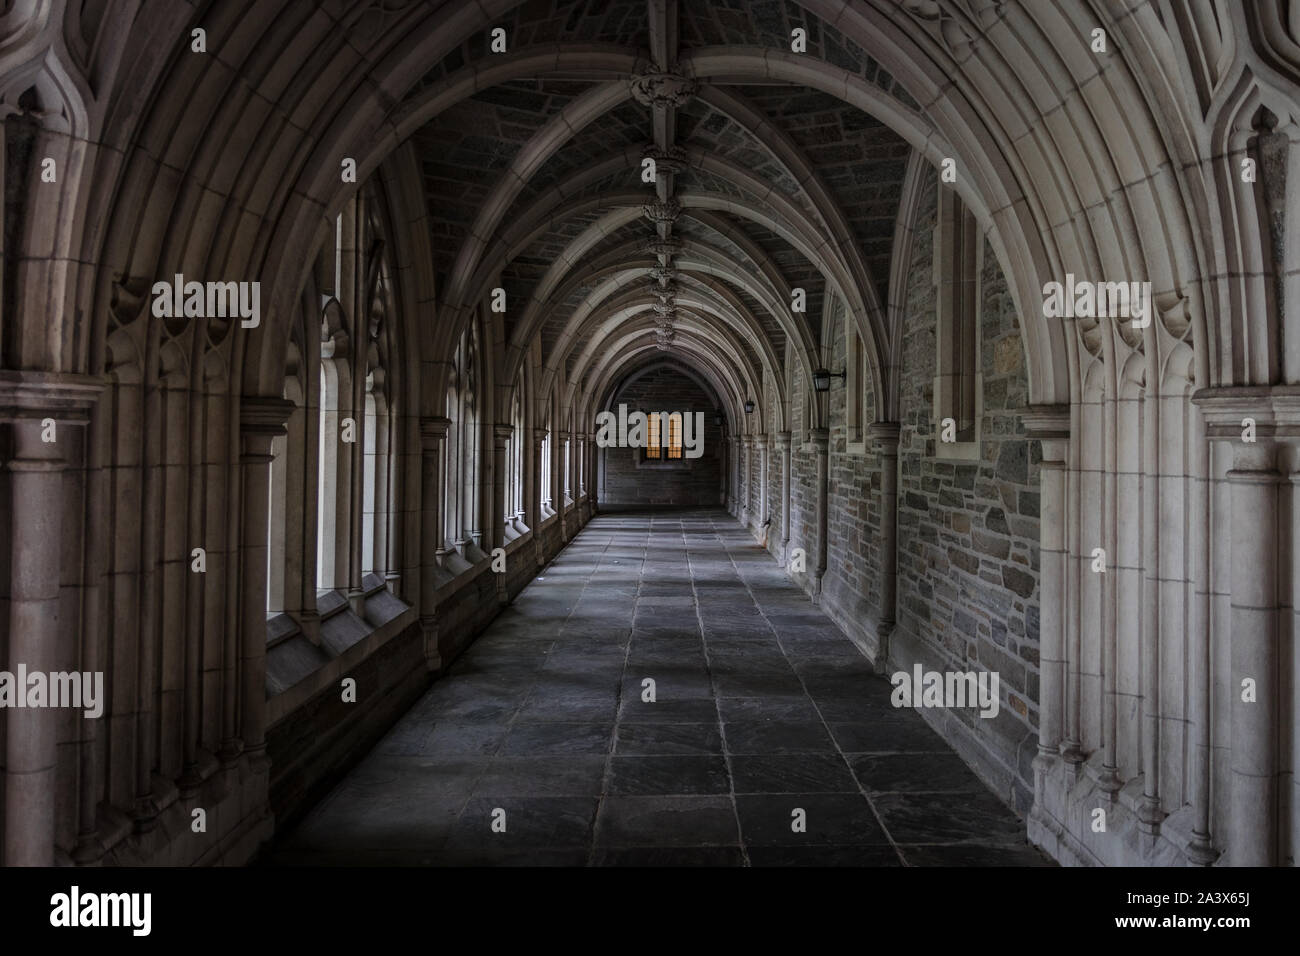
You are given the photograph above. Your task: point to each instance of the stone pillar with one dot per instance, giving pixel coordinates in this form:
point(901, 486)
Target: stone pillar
point(822, 439)
point(500, 443)
point(1252, 815)
point(38, 405)
point(886, 436)
point(592, 480)
point(783, 446)
point(724, 467)
point(356, 509)
point(433, 431)
point(743, 514)
point(1050, 425)
point(559, 483)
point(261, 420)
point(1257, 549)
point(539, 439)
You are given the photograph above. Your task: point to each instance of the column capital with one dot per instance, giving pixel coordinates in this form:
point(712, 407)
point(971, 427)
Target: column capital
point(433, 429)
point(35, 395)
point(502, 434)
point(821, 437)
point(264, 413)
point(782, 440)
point(1274, 410)
point(539, 437)
point(261, 419)
point(1046, 422)
point(885, 434)
point(1049, 424)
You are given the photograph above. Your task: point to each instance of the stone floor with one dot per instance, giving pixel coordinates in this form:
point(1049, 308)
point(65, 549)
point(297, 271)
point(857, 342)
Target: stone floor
point(762, 708)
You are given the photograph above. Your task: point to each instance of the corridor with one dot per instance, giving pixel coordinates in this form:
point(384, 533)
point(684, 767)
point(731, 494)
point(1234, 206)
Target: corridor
point(761, 708)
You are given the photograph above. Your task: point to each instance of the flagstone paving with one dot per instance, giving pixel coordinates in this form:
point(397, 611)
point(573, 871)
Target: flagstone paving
point(762, 708)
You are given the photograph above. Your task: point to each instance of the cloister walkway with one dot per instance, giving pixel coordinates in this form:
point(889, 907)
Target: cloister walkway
point(762, 708)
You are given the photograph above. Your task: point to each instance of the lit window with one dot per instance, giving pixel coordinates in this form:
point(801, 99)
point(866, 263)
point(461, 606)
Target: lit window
point(675, 435)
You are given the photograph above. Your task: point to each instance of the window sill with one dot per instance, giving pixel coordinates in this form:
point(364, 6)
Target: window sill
point(968, 451)
point(674, 464)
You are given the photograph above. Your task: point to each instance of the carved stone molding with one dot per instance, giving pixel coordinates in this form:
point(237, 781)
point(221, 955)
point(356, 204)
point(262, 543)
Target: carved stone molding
point(661, 88)
point(662, 210)
point(671, 160)
point(665, 291)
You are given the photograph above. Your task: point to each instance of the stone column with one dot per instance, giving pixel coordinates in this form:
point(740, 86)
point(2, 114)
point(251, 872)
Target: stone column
point(559, 483)
point(1050, 425)
point(500, 442)
point(822, 439)
point(886, 436)
point(261, 419)
point(1252, 818)
point(592, 479)
point(433, 431)
point(356, 509)
point(783, 448)
point(539, 439)
point(1257, 551)
point(745, 442)
point(37, 405)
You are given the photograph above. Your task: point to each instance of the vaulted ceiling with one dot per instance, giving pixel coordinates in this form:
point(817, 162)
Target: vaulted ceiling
point(760, 189)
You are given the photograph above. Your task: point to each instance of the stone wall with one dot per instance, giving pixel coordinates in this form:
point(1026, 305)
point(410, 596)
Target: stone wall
point(968, 531)
point(853, 562)
point(695, 482)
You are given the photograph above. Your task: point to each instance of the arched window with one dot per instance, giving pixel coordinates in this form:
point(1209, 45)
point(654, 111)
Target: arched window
point(547, 473)
point(461, 490)
point(331, 568)
point(368, 495)
point(515, 454)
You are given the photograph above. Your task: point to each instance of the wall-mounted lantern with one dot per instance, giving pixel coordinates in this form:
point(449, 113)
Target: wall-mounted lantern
point(822, 378)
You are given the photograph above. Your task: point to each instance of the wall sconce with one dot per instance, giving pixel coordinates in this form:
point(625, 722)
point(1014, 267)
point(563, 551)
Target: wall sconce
point(749, 405)
point(822, 378)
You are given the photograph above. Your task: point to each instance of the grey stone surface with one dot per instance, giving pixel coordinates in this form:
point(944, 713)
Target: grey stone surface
point(547, 722)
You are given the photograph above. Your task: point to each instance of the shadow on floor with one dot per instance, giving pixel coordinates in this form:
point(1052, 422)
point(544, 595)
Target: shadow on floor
point(764, 714)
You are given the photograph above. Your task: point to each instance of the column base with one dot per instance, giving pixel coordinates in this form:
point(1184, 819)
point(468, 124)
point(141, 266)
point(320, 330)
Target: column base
point(1200, 852)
